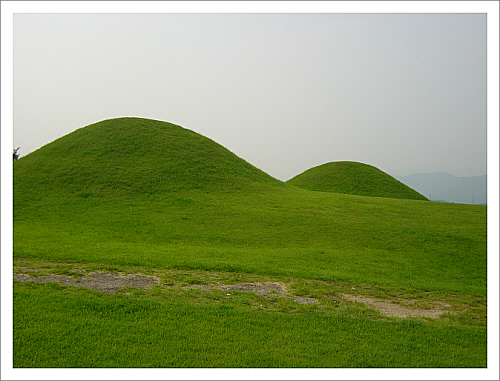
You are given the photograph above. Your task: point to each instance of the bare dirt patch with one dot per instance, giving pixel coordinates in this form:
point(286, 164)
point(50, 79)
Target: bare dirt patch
point(113, 282)
point(259, 289)
point(269, 289)
point(101, 281)
point(389, 308)
point(265, 290)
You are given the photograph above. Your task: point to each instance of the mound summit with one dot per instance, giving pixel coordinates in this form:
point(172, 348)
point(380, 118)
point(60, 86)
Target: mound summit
point(135, 155)
point(354, 178)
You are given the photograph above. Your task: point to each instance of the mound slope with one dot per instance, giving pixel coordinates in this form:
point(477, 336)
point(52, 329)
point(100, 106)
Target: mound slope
point(135, 155)
point(353, 178)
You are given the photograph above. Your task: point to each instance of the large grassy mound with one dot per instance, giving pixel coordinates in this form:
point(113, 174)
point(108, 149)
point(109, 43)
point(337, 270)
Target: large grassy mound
point(134, 156)
point(349, 177)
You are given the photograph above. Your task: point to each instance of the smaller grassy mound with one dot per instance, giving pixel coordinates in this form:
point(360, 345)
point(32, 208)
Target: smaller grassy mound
point(349, 177)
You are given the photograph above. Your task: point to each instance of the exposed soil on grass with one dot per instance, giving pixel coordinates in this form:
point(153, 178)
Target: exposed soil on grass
point(107, 282)
point(268, 289)
point(104, 282)
point(113, 282)
point(390, 308)
point(259, 289)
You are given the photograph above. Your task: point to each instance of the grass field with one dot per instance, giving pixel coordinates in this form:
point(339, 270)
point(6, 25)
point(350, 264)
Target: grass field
point(131, 196)
point(75, 328)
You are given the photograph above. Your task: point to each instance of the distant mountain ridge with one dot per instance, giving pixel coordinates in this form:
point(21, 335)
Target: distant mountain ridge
point(443, 186)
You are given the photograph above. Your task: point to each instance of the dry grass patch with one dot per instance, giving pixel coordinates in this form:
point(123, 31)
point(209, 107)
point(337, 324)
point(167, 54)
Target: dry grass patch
point(390, 308)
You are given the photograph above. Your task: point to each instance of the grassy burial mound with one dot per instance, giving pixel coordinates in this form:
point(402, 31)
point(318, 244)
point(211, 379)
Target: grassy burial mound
point(134, 156)
point(349, 177)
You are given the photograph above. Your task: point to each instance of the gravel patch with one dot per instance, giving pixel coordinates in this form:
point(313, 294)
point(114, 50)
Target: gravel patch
point(111, 283)
point(101, 281)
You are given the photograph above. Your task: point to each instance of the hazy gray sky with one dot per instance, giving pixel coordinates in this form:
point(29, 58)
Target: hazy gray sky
point(286, 92)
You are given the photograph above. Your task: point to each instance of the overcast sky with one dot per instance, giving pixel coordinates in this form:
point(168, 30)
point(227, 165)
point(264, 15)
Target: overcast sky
point(286, 92)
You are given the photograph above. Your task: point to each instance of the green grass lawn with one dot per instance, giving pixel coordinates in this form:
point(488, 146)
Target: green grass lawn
point(74, 328)
point(103, 199)
point(412, 244)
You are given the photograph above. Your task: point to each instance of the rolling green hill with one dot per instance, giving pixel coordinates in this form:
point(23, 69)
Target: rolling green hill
point(137, 196)
point(134, 156)
point(353, 178)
